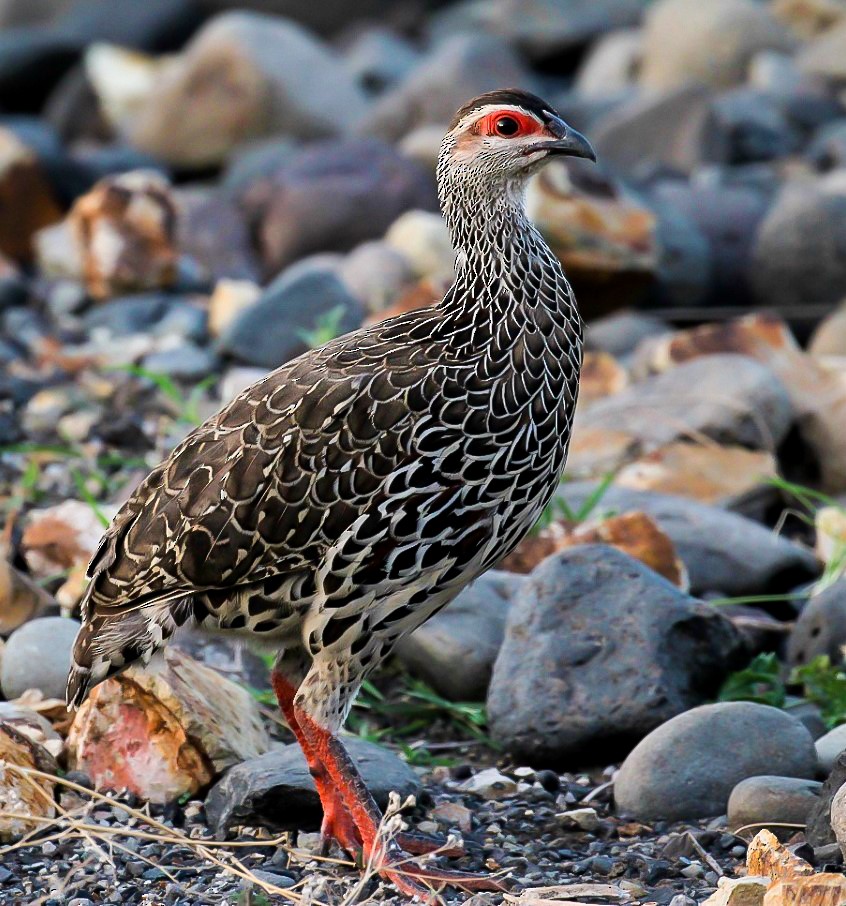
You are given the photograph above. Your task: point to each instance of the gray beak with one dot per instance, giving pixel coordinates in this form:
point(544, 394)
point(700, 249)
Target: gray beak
point(568, 142)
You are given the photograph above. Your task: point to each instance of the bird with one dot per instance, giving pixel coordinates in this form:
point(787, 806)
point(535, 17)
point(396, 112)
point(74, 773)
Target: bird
point(342, 500)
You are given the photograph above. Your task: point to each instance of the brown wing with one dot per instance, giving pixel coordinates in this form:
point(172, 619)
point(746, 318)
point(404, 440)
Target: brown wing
point(268, 483)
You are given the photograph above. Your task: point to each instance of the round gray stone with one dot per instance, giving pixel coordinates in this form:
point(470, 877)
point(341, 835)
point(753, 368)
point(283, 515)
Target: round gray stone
point(688, 767)
point(830, 746)
point(758, 801)
point(37, 656)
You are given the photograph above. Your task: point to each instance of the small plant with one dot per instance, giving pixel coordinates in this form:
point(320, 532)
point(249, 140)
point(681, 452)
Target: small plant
point(186, 405)
point(327, 326)
point(825, 685)
point(763, 680)
point(558, 508)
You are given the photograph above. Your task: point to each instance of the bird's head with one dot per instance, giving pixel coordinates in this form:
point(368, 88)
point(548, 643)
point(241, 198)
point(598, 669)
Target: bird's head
point(504, 136)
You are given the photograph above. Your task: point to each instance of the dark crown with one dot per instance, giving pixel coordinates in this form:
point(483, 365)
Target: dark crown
point(513, 96)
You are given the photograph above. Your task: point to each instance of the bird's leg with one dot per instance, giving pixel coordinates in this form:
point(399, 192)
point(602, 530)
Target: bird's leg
point(389, 859)
point(337, 823)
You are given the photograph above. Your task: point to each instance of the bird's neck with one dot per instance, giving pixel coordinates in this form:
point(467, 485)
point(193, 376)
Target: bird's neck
point(504, 267)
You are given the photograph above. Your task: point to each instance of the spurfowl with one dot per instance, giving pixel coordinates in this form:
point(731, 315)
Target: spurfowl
point(341, 501)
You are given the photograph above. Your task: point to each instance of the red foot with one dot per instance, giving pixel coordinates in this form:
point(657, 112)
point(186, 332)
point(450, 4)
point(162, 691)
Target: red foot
point(389, 860)
point(422, 844)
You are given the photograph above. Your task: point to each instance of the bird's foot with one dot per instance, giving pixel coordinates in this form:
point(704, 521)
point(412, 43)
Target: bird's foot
point(425, 881)
point(339, 826)
point(420, 844)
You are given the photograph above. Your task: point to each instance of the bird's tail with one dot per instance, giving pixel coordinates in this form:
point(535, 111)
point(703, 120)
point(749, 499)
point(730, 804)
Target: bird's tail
point(108, 644)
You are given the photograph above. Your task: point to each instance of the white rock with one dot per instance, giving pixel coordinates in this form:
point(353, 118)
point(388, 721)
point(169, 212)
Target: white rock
point(490, 784)
point(423, 238)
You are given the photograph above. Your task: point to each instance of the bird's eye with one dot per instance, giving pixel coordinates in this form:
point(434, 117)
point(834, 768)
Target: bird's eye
point(506, 126)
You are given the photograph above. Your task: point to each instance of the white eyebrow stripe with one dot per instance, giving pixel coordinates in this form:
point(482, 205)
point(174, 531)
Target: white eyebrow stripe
point(479, 112)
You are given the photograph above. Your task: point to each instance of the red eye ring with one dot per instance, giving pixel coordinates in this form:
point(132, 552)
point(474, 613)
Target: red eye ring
point(508, 124)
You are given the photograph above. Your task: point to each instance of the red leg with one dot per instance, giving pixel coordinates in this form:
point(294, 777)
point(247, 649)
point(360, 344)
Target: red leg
point(337, 823)
point(410, 879)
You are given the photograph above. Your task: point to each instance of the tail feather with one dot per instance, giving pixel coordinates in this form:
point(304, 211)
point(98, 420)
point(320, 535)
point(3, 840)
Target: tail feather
point(108, 644)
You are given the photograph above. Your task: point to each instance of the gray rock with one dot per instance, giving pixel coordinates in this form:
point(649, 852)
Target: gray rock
point(821, 627)
point(829, 747)
point(147, 313)
point(599, 650)
point(38, 656)
point(277, 327)
point(729, 398)
point(379, 58)
point(764, 800)
point(818, 831)
point(276, 790)
point(710, 43)
point(332, 196)
point(799, 257)
point(186, 362)
point(456, 649)
point(684, 261)
point(728, 215)
point(838, 818)
point(270, 64)
point(688, 767)
point(621, 333)
point(755, 125)
point(214, 233)
point(722, 551)
point(827, 149)
point(458, 69)
point(676, 127)
point(540, 28)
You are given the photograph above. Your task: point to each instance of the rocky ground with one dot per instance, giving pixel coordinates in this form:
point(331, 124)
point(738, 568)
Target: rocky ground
point(192, 192)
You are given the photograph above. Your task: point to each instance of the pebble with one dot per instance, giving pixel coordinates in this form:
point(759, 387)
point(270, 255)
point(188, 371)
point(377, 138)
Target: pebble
point(759, 801)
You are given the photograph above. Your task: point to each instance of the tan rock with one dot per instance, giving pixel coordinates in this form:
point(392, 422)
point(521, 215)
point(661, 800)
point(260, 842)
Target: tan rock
point(809, 17)
point(708, 473)
point(21, 599)
point(241, 77)
point(122, 79)
point(825, 55)
point(829, 337)
point(738, 892)
point(62, 537)
point(824, 889)
point(422, 238)
point(606, 241)
point(166, 730)
point(229, 299)
point(32, 725)
point(634, 533)
point(596, 451)
point(423, 294)
point(602, 375)
point(817, 392)
point(27, 203)
point(126, 230)
point(23, 799)
point(830, 524)
point(768, 858)
point(709, 43)
point(637, 535)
